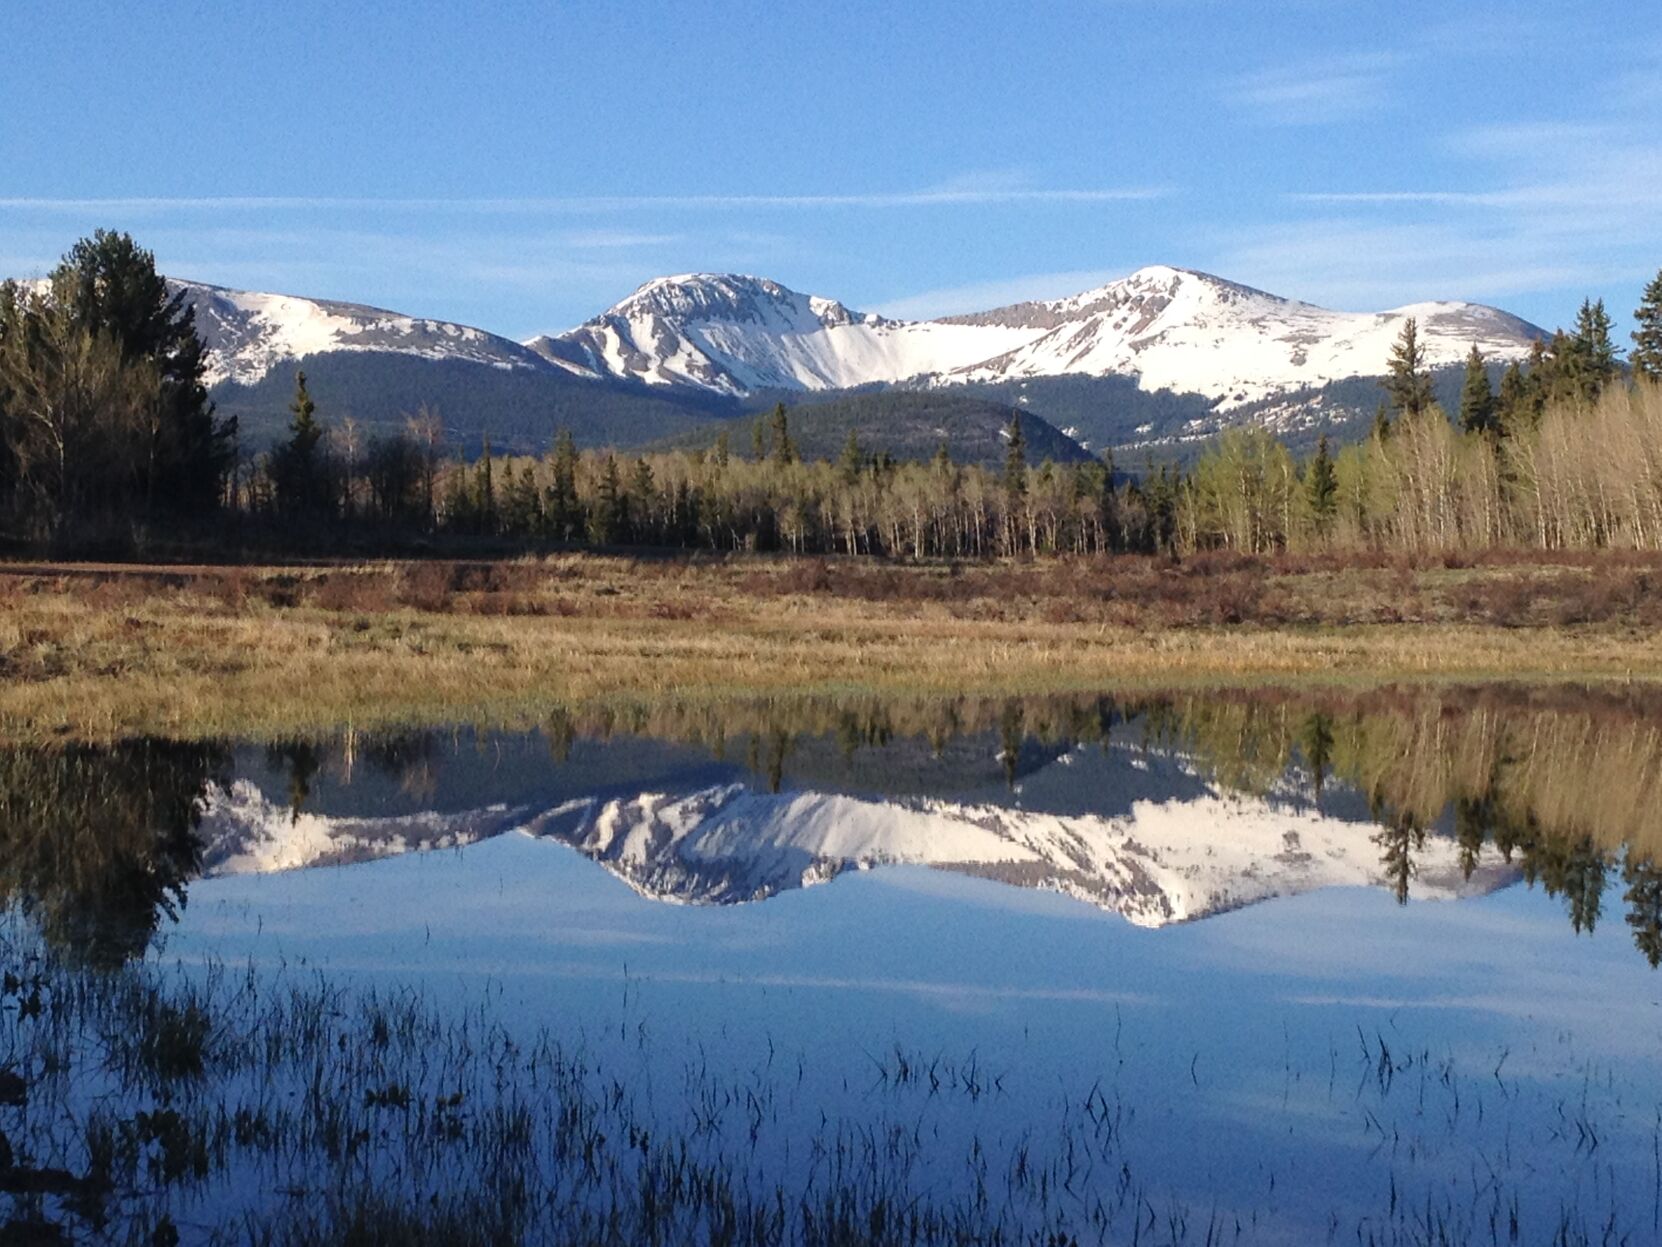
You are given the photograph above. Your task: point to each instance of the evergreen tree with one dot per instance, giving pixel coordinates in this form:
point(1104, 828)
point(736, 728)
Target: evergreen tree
point(1643, 877)
point(1381, 422)
point(643, 490)
point(1015, 481)
point(759, 440)
point(1477, 399)
point(610, 515)
point(1322, 488)
point(487, 492)
point(853, 460)
point(722, 452)
point(1512, 407)
point(1592, 362)
point(110, 286)
point(565, 513)
point(783, 452)
point(299, 472)
point(1408, 384)
point(1647, 335)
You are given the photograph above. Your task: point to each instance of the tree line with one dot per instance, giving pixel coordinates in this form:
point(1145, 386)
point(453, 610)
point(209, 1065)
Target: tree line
point(107, 436)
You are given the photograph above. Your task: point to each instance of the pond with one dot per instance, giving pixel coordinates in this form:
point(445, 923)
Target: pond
point(1258, 966)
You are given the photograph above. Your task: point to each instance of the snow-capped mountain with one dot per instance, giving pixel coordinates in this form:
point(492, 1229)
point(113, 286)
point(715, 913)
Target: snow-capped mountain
point(248, 334)
point(1169, 328)
point(1152, 860)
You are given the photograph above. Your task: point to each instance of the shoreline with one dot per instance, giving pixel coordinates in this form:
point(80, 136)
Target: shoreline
point(96, 653)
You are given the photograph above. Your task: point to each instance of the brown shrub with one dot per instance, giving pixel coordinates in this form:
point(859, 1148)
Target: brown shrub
point(359, 592)
point(428, 586)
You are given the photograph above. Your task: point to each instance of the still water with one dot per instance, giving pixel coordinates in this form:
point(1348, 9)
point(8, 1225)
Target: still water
point(1221, 967)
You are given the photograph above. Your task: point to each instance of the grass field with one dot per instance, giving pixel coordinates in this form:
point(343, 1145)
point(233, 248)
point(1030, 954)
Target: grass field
point(98, 652)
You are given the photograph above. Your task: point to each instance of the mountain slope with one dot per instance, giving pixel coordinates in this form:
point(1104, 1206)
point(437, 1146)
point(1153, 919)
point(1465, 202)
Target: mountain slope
point(903, 424)
point(1168, 328)
point(1152, 859)
point(249, 333)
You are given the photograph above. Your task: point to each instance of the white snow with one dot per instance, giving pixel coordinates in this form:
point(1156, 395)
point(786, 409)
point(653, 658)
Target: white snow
point(1162, 862)
point(1169, 328)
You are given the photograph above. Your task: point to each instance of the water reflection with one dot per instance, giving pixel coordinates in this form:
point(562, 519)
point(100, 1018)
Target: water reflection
point(1161, 809)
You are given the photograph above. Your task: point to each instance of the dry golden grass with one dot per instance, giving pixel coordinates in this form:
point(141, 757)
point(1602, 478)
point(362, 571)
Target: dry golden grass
point(103, 653)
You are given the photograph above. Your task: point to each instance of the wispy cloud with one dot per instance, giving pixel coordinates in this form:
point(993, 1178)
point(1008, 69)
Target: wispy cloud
point(1318, 92)
point(1550, 205)
point(934, 197)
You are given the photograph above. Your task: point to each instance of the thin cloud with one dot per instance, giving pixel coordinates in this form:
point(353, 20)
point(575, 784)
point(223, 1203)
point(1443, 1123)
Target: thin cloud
point(1316, 93)
point(945, 196)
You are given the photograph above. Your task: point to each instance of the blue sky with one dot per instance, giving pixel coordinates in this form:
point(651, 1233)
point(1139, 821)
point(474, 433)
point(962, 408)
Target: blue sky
point(521, 166)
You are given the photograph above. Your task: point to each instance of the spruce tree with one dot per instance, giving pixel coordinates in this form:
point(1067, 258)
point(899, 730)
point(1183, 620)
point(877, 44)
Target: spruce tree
point(1594, 352)
point(1322, 487)
point(1015, 479)
point(1647, 336)
point(1512, 405)
point(853, 460)
point(607, 522)
point(110, 286)
point(565, 515)
point(644, 491)
point(783, 452)
point(487, 492)
point(1477, 399)
point(1408, 383)
point(297, 468)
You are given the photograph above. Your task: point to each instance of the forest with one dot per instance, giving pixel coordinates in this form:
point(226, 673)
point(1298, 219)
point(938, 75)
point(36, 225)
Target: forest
point(109, 444)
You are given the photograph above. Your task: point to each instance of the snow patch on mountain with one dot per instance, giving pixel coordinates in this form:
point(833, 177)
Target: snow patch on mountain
point(1169, 328)
point(249, 333)
point(1160, 862)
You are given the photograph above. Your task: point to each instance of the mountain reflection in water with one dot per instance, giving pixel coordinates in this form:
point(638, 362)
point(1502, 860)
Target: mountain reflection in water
point(1160, 809)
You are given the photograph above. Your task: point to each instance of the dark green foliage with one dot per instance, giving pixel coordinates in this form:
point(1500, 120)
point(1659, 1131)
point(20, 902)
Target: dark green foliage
point(301, 469)
point(1477, 399)
point(105, 428)
point(564, 511)
point(779, 436)
point(904, 425)
point(96, 844)
point(1408, 383)
point(609, 519)
point(519, 408)
point(1321, 483)
point(112, 288)
point(1647, 334)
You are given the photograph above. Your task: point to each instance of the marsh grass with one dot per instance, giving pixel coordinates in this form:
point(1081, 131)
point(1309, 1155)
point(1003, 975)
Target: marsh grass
point(202, 1105)
point(97, 654)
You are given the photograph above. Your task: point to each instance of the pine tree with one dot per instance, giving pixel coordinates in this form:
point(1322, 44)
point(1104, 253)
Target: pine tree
point(1593, 351)
point(1015, 481)
point(1477, 399)
point(1322, 488)
point(644, 491)
point(297, 468)
point(722, 452)
point(565, 514)
point(1408, 383)
point(610, 509)
point(783, 452)
point(1647, 336)
point(759, 440)
point(110, 286)
point(487, 492)
point(1381, 422)
point(1512, 405)
point(853, 460)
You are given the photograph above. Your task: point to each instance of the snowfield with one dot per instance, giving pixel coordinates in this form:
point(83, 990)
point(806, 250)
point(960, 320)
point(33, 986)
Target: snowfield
point(1159, 862)
point(1169, 328)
